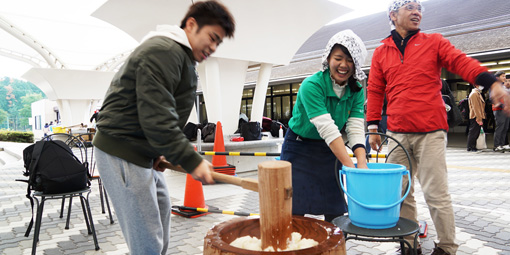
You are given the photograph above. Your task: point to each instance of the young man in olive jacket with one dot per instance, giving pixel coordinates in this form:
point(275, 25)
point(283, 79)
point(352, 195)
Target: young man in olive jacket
point(141, 120)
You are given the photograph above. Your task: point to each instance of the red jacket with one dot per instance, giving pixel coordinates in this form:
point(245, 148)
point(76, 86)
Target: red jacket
point(412, 83)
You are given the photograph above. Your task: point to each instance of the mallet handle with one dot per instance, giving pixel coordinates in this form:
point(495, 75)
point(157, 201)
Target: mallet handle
point(245, 183)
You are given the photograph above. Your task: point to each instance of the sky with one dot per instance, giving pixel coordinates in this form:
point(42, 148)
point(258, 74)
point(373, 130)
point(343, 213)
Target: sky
point(122, 42)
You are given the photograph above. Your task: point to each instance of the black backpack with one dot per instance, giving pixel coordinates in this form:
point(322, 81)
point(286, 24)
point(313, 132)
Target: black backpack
point(209, 132)
point(52, 168)
point(251, 131)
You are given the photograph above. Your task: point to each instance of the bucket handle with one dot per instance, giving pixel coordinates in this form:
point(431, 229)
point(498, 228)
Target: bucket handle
point(377, 207)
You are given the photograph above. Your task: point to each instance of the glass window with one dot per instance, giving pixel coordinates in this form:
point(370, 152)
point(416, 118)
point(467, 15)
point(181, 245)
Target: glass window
point(249, 102)
point(247, 93)
point(286, 111)
point(277, 108)
point(268, 113)
point(295, 87)
point(38, 122)
point(281, 89)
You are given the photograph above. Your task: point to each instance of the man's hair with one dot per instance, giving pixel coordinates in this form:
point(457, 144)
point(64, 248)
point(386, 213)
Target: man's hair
point(498, 73)
point(211, 13)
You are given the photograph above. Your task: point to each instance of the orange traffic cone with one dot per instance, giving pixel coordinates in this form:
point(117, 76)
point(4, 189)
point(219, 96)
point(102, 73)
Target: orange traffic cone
point(219, 162)
point(219, 146)
point(193, 197)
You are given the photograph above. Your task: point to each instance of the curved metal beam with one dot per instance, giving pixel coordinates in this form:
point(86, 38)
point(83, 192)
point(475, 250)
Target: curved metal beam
point(35, 62)
point(44, 51)
point(114, 62)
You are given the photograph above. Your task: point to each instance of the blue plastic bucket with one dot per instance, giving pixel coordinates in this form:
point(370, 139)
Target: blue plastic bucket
point(374, 194)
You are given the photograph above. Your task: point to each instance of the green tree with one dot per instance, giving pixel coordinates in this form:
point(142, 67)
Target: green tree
point(11, 93)
point(26, 111)
point(4, 116)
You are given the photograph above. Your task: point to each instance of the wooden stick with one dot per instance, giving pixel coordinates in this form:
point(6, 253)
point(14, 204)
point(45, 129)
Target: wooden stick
point(245, 183)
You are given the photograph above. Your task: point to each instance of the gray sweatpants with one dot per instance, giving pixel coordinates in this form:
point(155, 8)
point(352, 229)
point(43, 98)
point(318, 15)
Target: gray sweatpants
point(141, 201)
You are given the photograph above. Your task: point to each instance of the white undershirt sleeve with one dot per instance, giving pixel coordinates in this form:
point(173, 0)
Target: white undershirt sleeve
point(355, 129)
point(326, 127)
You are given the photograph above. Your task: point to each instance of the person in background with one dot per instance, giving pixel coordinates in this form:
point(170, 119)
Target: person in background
point(407, 69)
point(46, 129)
point(326, 102)
point(476, 116)
point(502, 120)
point(141, 120)
point(51, 125)
point(93, 119)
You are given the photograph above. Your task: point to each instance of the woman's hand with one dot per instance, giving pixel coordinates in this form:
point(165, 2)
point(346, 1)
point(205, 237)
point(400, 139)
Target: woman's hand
point(361, 157)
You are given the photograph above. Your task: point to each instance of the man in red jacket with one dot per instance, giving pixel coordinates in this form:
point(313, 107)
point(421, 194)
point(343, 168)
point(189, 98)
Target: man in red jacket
point(407, 69)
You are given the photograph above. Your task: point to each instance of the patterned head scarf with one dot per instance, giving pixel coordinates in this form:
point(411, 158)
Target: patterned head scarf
point(396, 4)
point(354, 45)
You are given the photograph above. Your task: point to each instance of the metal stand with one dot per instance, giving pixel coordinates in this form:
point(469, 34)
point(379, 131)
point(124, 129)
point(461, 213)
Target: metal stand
point(395, 234)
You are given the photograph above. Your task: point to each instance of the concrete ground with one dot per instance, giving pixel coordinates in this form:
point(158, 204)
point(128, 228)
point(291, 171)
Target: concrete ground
point(478, 182)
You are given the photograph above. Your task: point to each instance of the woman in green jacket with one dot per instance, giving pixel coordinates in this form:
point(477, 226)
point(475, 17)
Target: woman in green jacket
point(327, 101)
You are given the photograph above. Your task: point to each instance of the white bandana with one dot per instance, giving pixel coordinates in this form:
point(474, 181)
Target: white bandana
point(354, 45)
point(396, 4)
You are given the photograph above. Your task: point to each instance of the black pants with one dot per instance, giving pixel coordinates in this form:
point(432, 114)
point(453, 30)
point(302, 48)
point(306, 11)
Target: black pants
point(474, 132)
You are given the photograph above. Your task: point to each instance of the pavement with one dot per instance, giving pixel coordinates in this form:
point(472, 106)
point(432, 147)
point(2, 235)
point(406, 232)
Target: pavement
point(479, 184)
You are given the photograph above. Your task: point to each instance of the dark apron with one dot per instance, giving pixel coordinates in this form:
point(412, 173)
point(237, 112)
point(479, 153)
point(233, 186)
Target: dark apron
point(314, 184)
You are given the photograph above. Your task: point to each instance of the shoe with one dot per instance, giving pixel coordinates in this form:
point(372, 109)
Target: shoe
point(506, 147)
point(439, 251)
point(499, 149)
point(406, 251)
point(472, 150)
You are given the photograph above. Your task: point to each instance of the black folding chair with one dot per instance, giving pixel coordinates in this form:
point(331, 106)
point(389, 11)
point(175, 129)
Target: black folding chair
point(79, 151)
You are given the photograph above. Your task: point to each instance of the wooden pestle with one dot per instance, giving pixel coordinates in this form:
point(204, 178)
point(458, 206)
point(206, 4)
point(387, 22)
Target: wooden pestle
point(275, 198)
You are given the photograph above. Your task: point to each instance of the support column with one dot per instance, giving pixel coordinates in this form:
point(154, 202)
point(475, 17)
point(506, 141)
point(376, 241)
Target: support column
point(259, 97)
point(222, 82)
point(74, 112)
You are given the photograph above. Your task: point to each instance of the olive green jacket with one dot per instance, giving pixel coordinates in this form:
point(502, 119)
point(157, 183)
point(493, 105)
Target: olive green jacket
point(148, 103)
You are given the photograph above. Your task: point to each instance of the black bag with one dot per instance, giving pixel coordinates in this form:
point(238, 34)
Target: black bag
point(191, 130)
point(53, 168)
point(208, 132)
point(251, 131)
point(454, 117)
point(464, 109)
point(275, 128)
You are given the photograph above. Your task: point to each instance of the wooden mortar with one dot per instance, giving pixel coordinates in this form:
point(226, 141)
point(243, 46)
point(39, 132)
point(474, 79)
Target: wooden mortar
point(330, 238)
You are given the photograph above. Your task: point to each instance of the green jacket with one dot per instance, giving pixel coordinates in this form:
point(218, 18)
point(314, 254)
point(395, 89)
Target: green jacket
point(147, 105)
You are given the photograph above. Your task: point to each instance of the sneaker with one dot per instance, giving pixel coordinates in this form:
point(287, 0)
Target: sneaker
point(406, 251)
point(507, 147)
point(439, 251)
point(499, 149)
